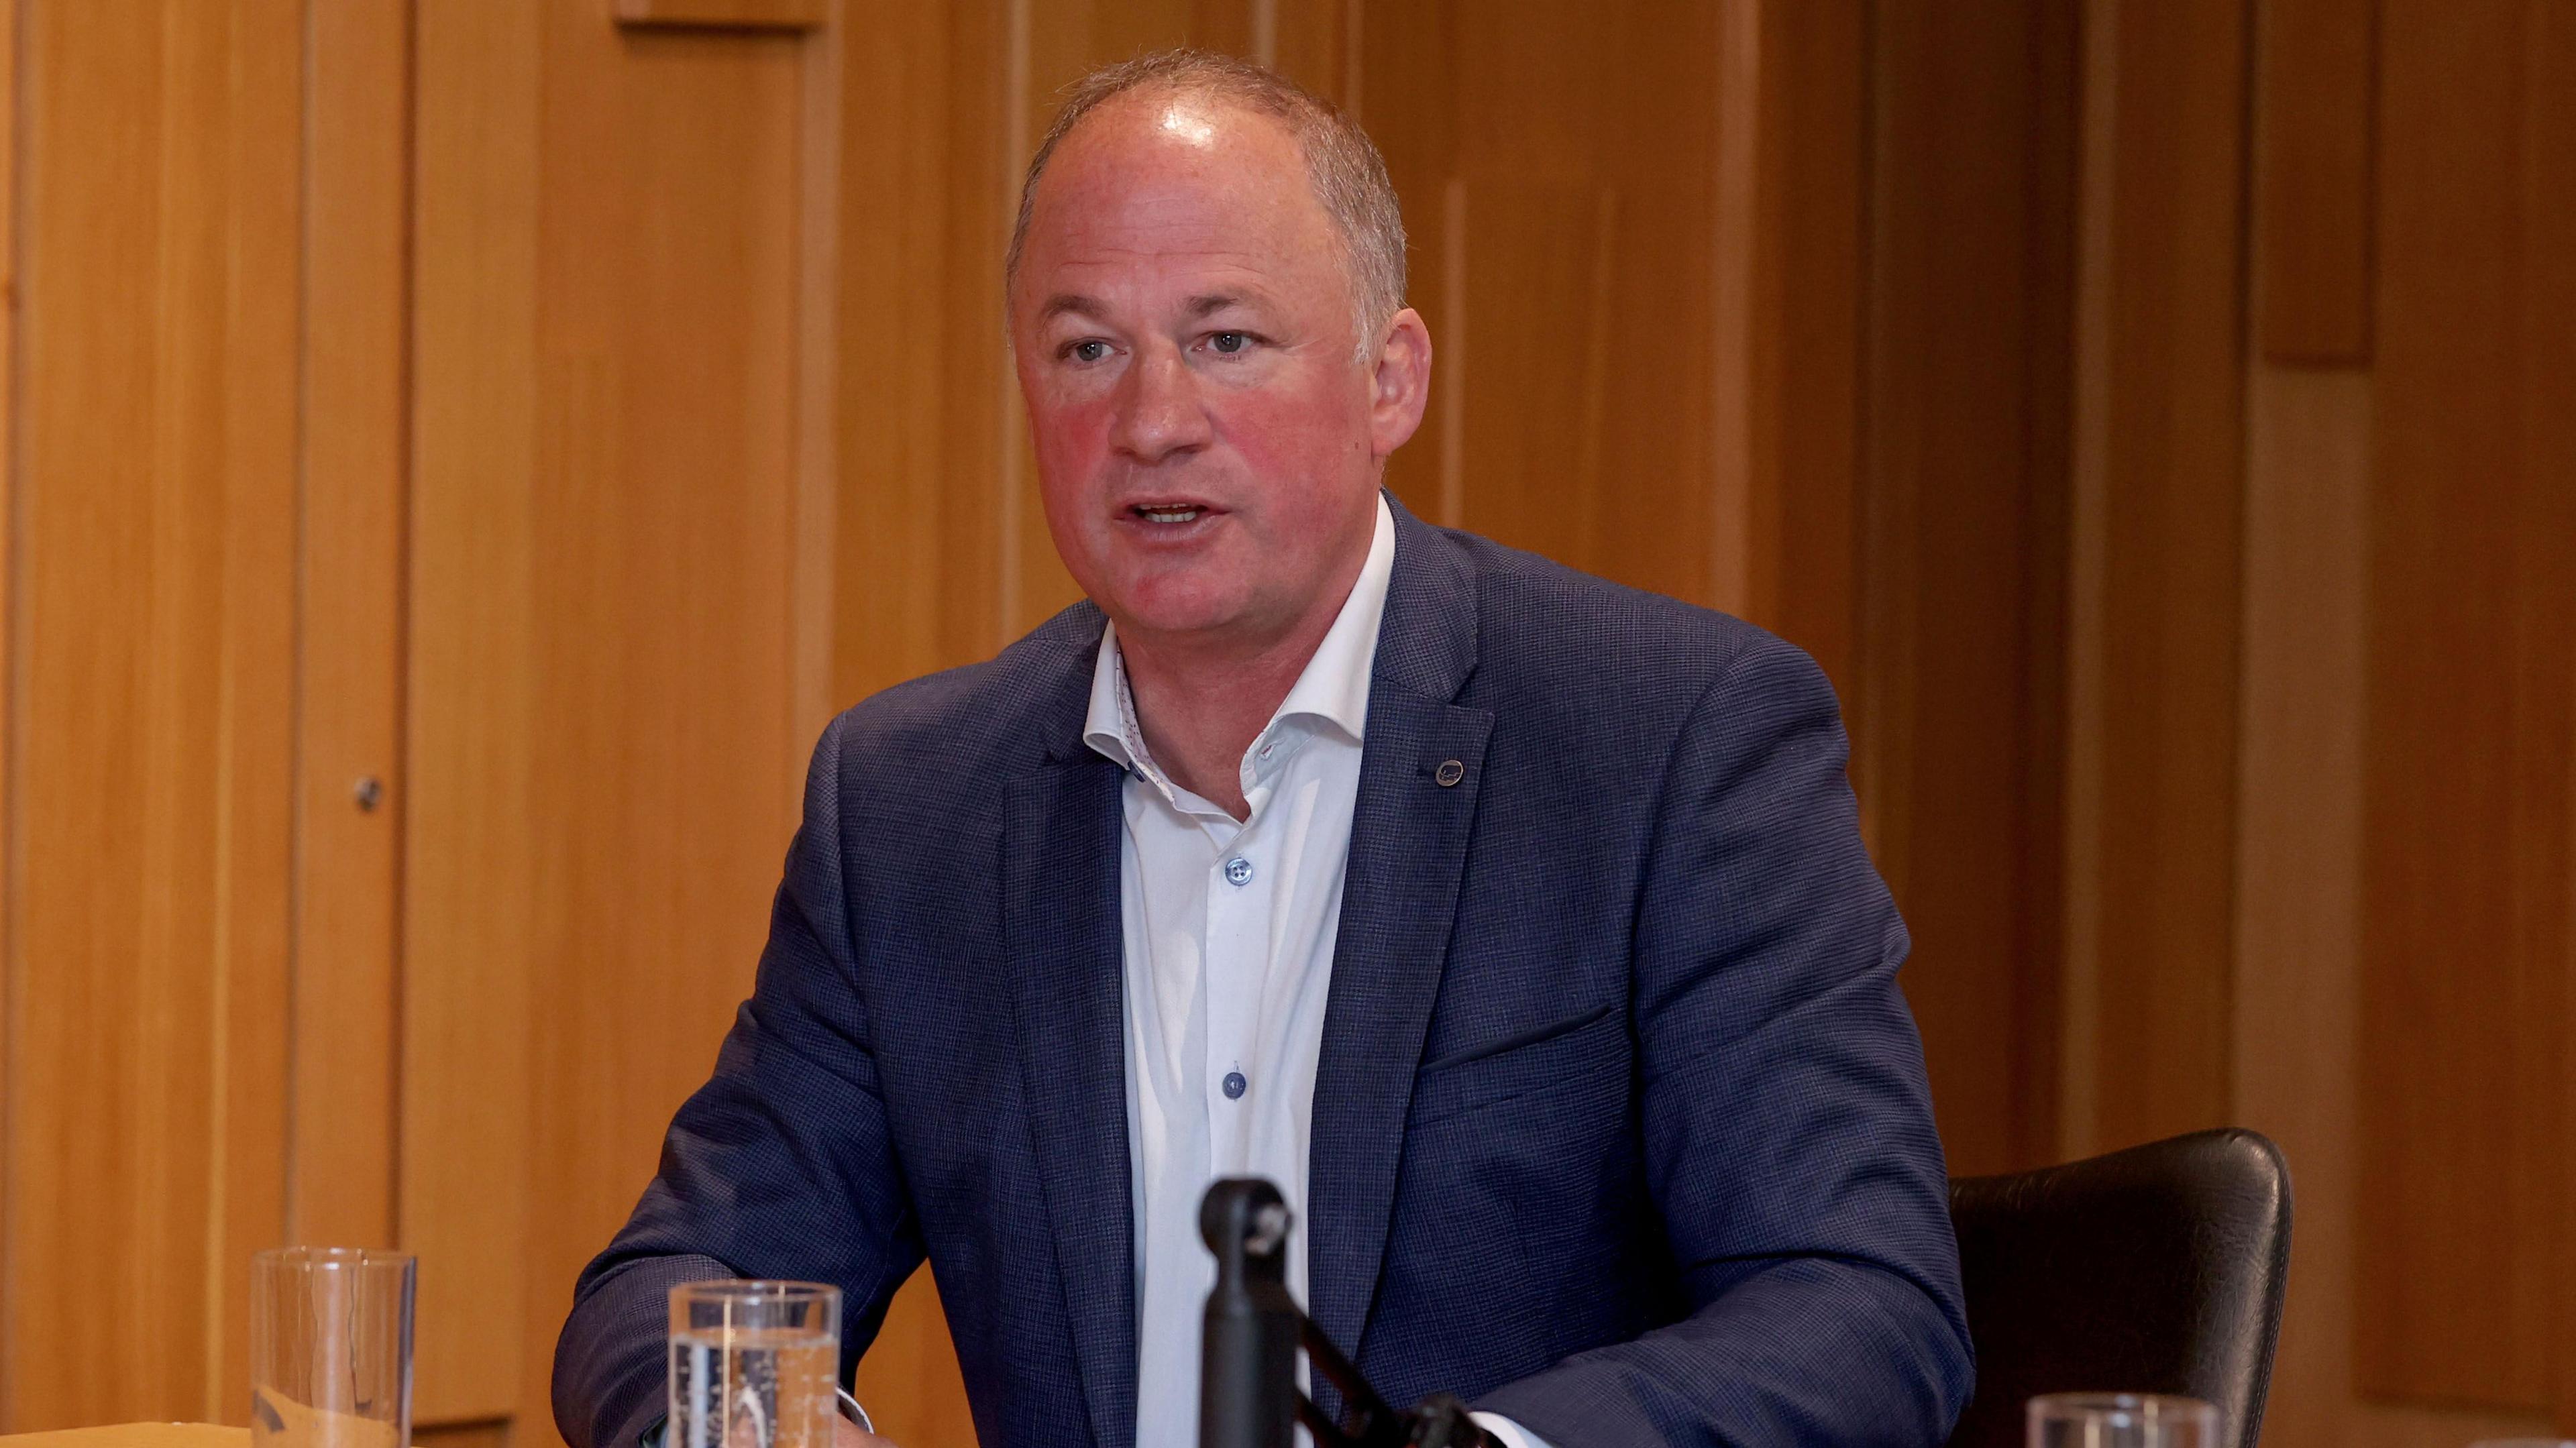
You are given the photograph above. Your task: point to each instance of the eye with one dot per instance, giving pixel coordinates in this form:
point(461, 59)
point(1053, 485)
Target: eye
point(1089, 349)
point(1229, 343)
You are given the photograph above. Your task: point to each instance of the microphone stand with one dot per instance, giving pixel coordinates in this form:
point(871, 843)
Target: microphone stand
point(1248, 1395)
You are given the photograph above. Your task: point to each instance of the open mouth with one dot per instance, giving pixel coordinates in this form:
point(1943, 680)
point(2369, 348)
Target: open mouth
point(1168, 512)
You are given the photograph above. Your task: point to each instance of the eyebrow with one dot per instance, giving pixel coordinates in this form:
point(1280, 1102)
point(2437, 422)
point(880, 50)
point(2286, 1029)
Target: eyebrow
point(1063, 302)
point(1205, 304)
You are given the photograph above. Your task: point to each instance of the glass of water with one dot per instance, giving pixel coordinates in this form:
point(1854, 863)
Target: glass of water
point(754, 1364)
point(330, 1348)
point(2121, 1420)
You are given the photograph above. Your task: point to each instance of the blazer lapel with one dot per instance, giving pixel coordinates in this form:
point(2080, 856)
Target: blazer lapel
point(1421, 767)
point(1060, 867)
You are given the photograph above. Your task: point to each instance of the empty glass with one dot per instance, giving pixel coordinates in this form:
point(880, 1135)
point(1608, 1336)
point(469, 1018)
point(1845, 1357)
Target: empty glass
point(330, 1348)
point(2121, 1420)
point(754, 1364)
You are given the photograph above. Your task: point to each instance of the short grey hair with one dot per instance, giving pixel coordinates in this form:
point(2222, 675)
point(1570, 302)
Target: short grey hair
point(1347, 174)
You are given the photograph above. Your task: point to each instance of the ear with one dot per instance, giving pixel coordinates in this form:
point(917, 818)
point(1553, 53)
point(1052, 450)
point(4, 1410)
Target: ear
point(1399, 383)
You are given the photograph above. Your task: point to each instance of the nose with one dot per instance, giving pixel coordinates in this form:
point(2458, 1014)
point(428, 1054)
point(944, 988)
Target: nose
point(1159, 412)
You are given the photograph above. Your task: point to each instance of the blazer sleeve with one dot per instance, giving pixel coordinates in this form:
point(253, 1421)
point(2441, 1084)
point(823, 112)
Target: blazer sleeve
point(779, 1167)
point(1787, 1123)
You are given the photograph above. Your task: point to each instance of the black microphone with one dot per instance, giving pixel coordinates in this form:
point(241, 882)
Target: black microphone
point(1248, 1396)
point(1248, 1350)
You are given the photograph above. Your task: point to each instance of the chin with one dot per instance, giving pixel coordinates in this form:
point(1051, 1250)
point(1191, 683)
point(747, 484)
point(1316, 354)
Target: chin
point(1176, 606)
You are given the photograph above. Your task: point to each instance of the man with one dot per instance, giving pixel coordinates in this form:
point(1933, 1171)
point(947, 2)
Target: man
point(1514, 923)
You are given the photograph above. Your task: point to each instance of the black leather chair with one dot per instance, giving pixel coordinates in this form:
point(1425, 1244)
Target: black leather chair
point(2155, 1270)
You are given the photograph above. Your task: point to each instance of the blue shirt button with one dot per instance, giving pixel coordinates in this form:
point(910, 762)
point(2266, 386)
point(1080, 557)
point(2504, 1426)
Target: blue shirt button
point(1238, 871)
point(1235, 1085)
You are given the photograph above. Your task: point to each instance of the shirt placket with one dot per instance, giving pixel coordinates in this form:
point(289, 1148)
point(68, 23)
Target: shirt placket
point(1240, 898)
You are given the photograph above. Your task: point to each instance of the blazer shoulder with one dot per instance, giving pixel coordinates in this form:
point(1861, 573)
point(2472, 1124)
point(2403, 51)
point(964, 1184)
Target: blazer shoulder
point(1004, 711)
point(1545, 628)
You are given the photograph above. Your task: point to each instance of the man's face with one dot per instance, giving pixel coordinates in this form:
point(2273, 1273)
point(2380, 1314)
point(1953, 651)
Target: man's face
point(1208, 445)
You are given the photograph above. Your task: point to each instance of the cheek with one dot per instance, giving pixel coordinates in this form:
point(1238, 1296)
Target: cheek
point(1072, 442)
point(1301, 448)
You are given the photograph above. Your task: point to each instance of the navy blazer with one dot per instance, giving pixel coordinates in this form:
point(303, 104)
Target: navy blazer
point(1620, 1126)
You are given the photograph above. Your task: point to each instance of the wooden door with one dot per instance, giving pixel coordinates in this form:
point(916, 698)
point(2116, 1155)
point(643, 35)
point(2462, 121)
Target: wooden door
point(619, 604)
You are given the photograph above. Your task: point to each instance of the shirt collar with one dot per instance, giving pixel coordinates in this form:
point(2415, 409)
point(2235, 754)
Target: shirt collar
point(1334, 686)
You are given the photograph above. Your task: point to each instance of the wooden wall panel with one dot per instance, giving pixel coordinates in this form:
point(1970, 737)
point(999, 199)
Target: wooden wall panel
point(748, 14)
point(2155, 574)
point(1546, 242)
point(2317, 123)
point(2548, 321)
point(982, 444)
point(151, 653)
point(12, 649)
point(607, 643)
point(469, 814)
point(2298, 1053)
point(1961, 552)
point(350, 651)
point(2470, 705)
point(2299, 841)
point(665, 493)
point(898, 471)
point(1801, 525)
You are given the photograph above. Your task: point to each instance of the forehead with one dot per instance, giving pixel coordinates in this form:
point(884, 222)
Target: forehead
point(1167, 187)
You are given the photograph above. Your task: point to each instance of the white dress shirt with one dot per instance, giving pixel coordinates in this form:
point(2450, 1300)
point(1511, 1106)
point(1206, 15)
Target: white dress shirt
point(1229, 930)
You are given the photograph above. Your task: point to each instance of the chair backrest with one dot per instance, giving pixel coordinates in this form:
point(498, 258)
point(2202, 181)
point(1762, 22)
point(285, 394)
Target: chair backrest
point(2158, 1270)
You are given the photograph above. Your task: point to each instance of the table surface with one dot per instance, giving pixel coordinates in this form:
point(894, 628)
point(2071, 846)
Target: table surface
point(135, 1435)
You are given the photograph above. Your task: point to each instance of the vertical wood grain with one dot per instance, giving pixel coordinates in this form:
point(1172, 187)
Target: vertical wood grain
point(2549, 341)
point(13, 653)
point(611, 641)
point(2312, 248)
point(2153, 661)
point(750, 14)
point(900, 478)
point(2299, 845)
point(471, 847)
point(2079, 981)
point(1804, 386)
point(824, 106)
point(1414, 125)
point(1316, 44)
point(1548, 428)
point(1955, 693)
point(2464, 1006)
point(253, 1056)
point(153, 500)
point(1734, 301)
point(986, 113)
point(350, 665)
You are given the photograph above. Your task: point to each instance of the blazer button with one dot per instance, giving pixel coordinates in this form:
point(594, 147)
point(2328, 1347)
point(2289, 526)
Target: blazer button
point(1449, 772)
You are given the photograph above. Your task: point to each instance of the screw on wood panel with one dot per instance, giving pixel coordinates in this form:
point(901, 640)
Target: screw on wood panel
point(371, 792)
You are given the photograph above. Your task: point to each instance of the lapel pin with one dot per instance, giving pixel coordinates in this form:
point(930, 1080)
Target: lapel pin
point(1449, 772)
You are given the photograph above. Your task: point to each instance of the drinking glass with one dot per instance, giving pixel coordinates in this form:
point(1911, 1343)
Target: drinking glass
point(2121, 1420)
point(754, 1364)
point(330, 1348)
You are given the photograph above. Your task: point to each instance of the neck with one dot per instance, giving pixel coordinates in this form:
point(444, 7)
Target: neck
point(1201, 700)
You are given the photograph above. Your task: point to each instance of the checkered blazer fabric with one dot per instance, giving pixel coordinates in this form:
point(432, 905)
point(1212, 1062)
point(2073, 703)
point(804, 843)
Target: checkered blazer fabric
point(1621, 1127)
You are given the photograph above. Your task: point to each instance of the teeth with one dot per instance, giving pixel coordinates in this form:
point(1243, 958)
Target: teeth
point(1168, 515)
